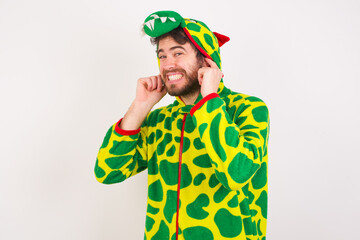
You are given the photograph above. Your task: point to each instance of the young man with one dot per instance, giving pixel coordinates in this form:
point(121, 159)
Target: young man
point(206, 153)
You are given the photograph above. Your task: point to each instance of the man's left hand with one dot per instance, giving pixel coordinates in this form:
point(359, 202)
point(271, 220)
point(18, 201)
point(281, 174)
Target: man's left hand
point(209, 77)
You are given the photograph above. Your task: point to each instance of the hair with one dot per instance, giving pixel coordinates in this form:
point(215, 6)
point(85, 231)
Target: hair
point(180, 37)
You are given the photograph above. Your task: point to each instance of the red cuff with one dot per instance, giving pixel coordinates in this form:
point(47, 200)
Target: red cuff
point(202, 102)
point(125, 132)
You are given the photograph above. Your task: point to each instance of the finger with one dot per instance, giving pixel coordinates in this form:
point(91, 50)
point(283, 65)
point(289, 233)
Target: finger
point(154, 83)
point(159, 83)
point(163, 91)
point(211, 63)
point(149, 84)
point(202, 71)
point(145, 82)
point(201, 75)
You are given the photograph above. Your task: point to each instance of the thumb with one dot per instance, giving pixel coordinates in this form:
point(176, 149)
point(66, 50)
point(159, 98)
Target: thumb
point(163, 91)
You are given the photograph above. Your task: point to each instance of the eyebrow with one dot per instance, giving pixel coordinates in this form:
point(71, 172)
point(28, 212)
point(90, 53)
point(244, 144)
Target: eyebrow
point(171, 49)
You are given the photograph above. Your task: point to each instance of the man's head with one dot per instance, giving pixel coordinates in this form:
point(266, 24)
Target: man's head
point(179, 62)
point(170, 31)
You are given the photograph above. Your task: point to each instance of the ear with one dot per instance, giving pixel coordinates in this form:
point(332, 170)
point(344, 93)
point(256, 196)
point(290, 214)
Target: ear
point(204, 62)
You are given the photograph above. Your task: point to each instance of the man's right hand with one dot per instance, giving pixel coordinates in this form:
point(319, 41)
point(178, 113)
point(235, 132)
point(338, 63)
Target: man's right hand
point(149, 91)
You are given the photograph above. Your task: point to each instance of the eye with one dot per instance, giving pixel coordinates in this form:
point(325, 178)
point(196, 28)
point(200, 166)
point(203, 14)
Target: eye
point(162, 57)
point(178, 54)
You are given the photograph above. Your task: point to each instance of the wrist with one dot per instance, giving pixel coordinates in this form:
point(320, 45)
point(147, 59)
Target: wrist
point(135, 116)
point(143, 106)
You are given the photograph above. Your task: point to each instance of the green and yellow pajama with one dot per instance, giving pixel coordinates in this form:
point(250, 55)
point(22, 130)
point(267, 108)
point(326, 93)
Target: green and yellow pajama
point(206, 163)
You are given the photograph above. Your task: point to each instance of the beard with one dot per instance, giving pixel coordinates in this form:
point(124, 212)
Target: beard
point(192, 85)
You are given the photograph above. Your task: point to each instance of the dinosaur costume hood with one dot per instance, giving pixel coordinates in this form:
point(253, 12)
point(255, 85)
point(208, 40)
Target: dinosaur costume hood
point(208, 42)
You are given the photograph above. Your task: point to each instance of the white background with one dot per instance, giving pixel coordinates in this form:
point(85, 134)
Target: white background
point(68, 71)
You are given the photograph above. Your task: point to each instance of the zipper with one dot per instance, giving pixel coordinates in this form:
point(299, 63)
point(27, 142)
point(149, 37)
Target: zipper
point(179, 176)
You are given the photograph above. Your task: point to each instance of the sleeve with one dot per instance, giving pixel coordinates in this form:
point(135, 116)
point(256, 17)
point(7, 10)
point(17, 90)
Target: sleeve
point(236, 146)
point(122, 154)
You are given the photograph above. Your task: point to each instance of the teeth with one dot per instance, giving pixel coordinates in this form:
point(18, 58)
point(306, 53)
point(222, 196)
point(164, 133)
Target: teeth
point(174, 77)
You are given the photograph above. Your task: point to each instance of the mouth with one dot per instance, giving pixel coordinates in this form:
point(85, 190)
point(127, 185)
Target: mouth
point(174, 77)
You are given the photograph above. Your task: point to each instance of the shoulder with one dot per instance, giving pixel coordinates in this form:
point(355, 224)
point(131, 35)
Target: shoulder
point(239, 104)
point(158, 115)
point(237, 99)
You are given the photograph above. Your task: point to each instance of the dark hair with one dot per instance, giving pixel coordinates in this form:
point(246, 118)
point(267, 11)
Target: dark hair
point(180, 37)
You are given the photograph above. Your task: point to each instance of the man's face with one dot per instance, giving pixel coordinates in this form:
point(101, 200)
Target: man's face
point(179, 67)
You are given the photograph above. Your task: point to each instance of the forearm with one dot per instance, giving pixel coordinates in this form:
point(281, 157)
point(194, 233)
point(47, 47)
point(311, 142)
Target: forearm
point(135, 116)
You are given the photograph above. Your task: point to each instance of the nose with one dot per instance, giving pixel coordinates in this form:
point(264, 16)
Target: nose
point(169, 63)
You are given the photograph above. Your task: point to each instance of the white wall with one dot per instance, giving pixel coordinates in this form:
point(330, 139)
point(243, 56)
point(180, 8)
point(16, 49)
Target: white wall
point(68, 71)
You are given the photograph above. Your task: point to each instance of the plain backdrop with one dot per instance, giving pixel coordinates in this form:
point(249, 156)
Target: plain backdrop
point(68, 71)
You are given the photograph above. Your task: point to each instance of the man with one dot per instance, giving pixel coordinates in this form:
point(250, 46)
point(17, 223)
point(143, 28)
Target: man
point(206, 153)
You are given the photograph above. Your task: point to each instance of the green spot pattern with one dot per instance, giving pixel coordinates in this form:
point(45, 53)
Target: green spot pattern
point(195, 209)
point(152, 210)
point(220, 194)
point(215, 138)
point(155, 191)
point(186, 144)
point(198, 233)
point(193, 27)
point(229, 225)
point(167, 124)
point(209, 40)
point(213, 181)
point(99, 172)
point(162, 233)
point(199, 179)
point(198, 144)
point(202, 161)
point(189, 125)
point(153, 165)
point(164, 142)
point(202, 129)
point(248, 168)
point(231, 137)
point(122, 148)
point(262, 203)
point(171, 205)
point(260, 114)
point(114, 177)
point(149, 223)
point(117, 162)
point(171, 151)
point(186, 178)
point(249, 226)
point(169, 172)
point(260, 178)
point(151, 138)
point(234, 202)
